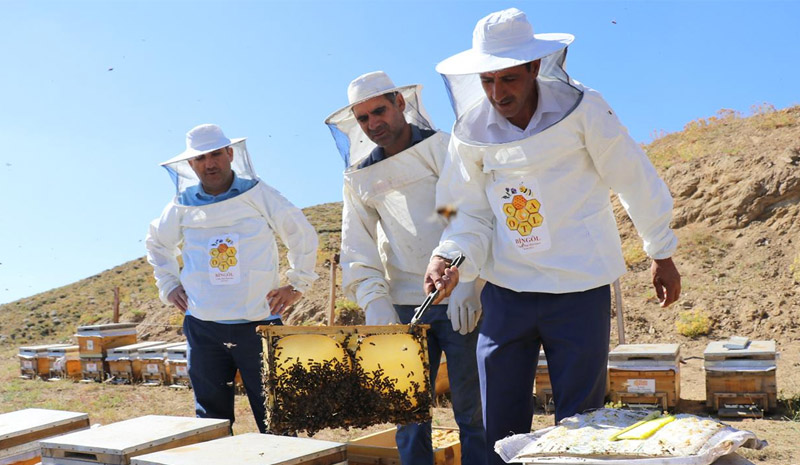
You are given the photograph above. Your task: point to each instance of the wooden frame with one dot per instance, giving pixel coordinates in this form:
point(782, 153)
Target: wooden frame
point(381, 449)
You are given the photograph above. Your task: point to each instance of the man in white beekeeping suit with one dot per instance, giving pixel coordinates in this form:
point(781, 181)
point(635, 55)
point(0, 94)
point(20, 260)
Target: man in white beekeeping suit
point(534, 156)
point(223, 222)
point(393, 158)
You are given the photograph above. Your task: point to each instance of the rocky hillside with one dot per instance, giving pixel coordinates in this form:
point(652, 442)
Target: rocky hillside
point(736, 183)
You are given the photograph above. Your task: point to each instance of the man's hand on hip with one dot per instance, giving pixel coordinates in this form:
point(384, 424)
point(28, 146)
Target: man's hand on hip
point(178, 298)
point(381, 312)
point(666, 281)
point(282, 298)
point(438, 276)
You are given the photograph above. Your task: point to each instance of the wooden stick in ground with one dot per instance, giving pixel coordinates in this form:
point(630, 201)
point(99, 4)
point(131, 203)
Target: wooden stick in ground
point(620, 320)
point(332, 306)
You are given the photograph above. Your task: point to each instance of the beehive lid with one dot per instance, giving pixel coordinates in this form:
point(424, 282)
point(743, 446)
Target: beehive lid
point(177, 352)
point(246, 449)
point(40, 350)
point(31, 421)
point(130, 350)
point(111, 329)
point(63, 350)
point(134, 435)
point(755, 350)
point(157, 351)
point(645, 357)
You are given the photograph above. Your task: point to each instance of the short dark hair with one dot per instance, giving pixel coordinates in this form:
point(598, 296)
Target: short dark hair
point(391, 96)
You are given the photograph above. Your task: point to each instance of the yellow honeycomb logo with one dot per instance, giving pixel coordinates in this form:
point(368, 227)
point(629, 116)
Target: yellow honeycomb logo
point(522, 215)
point(223, 257)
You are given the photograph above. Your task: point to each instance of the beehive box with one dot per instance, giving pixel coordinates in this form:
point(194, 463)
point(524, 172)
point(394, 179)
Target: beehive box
point(94, 341)
point(124, 363)
point(542, 388)
point(117, 443)
point(93, 369)
point(381, 448)
point(178, 365)
point(153, 361)
point(34, 362)
point(349, 376)
point(65, 362)
point(645, 374)
point(251, 449)
point(20, 431)
point(741, 377)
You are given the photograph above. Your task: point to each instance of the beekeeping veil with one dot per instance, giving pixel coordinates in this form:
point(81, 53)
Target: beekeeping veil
point(201, 140)
point(352, 142)
point(502, 40)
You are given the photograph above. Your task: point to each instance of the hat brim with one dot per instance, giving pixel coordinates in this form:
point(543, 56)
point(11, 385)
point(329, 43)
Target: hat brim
point(191, 153)
point(473, 61)
point(345, 112)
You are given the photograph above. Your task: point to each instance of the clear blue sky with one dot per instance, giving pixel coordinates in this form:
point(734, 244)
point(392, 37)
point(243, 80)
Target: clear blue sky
point(79, 174)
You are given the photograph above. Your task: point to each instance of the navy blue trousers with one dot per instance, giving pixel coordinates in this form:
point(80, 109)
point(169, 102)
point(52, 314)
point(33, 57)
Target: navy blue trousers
point(414, 440)
point(215, 352)
point(574, 330)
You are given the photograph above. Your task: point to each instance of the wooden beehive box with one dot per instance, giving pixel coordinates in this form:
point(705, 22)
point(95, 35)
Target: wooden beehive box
point(93, 369)
point(741, 377)
point(542, 388)
point(381, 448)
point(153, 361)
point(117, 443)
point(65, 362)
point(645, 374)
point(124, 364)
point(94, 341)
point(20, 432)
point(251, 449)
point(178, 365)
point(34, 361)
point(348, 376)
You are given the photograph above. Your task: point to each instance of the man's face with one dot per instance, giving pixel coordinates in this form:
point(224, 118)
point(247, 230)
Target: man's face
point(214, 170)
point(512, 92)
point(383, 122)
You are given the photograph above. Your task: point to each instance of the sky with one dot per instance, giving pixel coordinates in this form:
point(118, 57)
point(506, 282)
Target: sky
point(95, 94)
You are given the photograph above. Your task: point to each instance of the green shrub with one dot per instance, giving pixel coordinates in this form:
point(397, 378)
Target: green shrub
point(348, 313)
point(693, 323)
point(795, 269)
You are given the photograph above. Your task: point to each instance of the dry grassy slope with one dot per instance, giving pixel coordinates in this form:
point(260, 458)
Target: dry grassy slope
point(737, 201)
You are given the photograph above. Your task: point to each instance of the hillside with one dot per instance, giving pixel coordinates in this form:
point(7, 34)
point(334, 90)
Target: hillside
point(737, 201)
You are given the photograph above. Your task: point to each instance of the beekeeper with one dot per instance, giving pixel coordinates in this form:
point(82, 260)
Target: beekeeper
point(534, 156)
point(223, 223)
point(393, 158)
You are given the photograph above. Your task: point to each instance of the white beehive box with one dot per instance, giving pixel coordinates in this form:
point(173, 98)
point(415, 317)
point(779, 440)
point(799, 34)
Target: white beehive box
point(20, 432)
point(251, 449)
point(741, 376)
point(34, 361)
point(117, 443)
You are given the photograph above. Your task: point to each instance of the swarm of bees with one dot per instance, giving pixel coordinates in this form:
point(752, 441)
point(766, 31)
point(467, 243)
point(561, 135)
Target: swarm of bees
point(338, 393)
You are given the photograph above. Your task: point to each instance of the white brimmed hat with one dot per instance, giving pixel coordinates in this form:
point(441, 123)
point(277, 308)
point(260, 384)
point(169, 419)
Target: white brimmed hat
point(202, 139)
point(501, 40)
point(368, 86)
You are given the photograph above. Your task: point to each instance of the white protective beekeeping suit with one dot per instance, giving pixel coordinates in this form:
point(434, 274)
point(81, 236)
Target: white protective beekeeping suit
point(229, 251)
point(535, 209)
point(389, 220)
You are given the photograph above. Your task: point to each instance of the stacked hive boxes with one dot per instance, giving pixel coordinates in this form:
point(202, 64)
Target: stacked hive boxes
point(95, 341)
point(65, 362)
point(154, 363)
point(20, 431)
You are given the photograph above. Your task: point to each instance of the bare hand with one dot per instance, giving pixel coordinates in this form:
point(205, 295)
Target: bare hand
point(282, 298)
point(178, 298)
point(666, 281)
point(438, 276)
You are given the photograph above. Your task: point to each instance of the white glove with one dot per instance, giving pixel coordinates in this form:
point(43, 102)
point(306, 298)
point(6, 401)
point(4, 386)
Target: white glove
point(464, 308)
point(381, 312)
